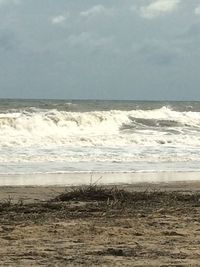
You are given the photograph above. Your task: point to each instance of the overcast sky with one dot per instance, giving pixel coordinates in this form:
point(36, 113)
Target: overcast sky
point(92, 49)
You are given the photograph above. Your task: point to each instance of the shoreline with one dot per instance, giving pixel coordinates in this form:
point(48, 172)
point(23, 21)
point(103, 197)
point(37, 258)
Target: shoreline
point(101, 178)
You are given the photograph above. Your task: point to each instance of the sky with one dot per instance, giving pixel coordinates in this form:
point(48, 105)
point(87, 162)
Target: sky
point(92, 49)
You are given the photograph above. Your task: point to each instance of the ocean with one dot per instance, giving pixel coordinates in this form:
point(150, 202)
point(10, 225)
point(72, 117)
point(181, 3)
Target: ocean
point(62, 136)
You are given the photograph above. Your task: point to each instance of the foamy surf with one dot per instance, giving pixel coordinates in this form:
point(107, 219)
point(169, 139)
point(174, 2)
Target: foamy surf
point(70, 137)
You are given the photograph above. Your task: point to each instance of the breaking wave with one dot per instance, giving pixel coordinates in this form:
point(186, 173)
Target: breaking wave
point(161, 126)
point(59, 136)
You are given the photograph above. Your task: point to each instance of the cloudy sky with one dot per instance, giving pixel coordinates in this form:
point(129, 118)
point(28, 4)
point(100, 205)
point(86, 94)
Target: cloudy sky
point(92, 49)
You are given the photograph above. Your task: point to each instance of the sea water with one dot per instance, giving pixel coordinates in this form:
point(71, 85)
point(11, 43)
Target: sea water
point(61, 136)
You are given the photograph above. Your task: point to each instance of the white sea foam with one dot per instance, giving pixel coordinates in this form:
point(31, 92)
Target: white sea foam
point(162, 126)
point(99, 137)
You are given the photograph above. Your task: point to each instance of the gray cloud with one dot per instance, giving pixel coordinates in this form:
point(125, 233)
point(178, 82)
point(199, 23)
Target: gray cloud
point(100, 49)
point(8, 41)
point(88, 40)
point(160, 53)
point(193, 31)
point(8, 2)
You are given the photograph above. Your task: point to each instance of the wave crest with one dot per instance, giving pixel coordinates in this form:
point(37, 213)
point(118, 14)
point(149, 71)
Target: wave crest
point(160, 126)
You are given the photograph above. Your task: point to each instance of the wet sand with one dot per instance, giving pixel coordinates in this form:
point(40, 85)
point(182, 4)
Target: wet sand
point(162, 232)
point(108, 178)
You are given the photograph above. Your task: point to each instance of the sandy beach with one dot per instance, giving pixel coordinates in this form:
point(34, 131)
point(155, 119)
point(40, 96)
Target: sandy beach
point(160, 227)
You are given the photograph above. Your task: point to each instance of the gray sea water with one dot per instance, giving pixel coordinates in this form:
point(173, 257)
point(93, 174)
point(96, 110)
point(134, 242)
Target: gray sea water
point(58, 136)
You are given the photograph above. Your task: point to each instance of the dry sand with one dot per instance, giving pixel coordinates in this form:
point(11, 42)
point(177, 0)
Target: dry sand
point(163, 232)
